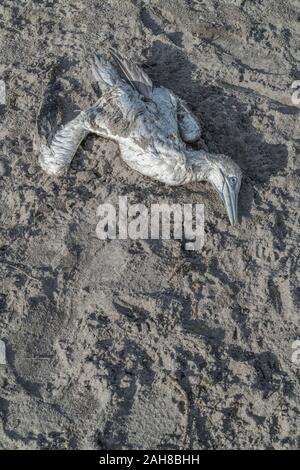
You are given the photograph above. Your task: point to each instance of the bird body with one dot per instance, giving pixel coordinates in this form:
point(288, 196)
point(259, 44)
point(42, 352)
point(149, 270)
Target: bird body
point(153, 128)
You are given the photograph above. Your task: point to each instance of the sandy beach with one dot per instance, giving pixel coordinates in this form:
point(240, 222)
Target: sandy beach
point(141, 344)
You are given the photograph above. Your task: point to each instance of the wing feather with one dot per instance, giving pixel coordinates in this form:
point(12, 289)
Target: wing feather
point(134, 74)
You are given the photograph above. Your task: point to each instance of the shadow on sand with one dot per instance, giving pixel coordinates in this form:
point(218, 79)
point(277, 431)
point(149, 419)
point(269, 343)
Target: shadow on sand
point(226, 122)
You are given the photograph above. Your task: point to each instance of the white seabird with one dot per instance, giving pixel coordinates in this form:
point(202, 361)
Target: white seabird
point(152, 127)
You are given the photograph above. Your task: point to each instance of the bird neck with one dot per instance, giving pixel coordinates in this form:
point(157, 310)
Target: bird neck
point(199, 164)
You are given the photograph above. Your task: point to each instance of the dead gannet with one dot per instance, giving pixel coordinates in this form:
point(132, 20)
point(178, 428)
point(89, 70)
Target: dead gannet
point(152, 127)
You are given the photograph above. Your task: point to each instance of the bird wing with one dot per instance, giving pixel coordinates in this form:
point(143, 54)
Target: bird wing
point(190, 129)
point(56, 156)
point(104, 72)
point(134, 74)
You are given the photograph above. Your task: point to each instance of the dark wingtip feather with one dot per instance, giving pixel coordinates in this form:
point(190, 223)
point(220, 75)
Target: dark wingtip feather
point(134, 74)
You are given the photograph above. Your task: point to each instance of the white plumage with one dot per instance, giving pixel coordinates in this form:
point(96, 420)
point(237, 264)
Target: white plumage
point(153, 128)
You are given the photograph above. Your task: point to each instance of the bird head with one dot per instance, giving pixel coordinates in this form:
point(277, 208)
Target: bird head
point(226, 176)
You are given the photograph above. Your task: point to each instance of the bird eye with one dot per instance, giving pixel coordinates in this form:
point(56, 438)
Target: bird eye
point(233, 180)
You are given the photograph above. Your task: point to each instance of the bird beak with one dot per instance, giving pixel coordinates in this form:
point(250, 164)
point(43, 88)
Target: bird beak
point(229, 196)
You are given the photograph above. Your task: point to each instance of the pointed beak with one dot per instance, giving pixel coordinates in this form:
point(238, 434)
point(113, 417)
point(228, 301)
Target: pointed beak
point(229, 196)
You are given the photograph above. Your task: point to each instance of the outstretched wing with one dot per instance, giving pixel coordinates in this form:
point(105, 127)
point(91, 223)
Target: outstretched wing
point(56, 156)
point(134, 74)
